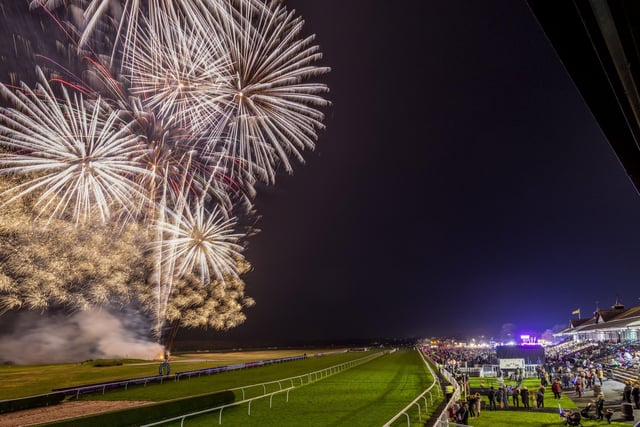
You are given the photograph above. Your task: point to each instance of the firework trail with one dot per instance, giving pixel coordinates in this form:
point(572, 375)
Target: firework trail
point(162, 118)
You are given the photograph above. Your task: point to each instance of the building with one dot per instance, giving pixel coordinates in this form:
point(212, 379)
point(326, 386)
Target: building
point(617, 324)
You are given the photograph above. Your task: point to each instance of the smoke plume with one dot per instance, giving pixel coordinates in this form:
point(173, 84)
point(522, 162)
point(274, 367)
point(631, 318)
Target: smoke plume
point(33, 338)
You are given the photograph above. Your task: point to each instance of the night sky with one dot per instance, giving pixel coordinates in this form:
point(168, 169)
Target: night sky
point(461, 184)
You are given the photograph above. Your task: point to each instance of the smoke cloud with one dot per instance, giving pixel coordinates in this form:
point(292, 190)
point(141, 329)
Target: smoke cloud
point(32, 338)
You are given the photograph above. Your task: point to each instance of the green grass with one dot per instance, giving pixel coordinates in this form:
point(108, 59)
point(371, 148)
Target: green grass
point(20, 381)
point(531, 383)
point(531, 418)
point(228, 380)
point(367, 395)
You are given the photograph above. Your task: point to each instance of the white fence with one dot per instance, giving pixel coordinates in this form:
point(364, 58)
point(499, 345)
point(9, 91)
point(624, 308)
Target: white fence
point(443, 418)
point(421, 398)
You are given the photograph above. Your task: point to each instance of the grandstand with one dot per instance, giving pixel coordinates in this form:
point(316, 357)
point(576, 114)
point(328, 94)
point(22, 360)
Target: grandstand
point(615, 325)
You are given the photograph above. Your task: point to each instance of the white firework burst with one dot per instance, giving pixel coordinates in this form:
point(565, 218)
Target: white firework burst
point(77, 155)
point(202, 242)
point(270, 110)
point(177, 71)
point(234, 72)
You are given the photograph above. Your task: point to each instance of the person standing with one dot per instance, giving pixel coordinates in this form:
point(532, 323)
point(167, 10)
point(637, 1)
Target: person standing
point(635, 394)
point(544, 380)
point(448, 391)
point(524, 395)
point(600, 374)
point(491, 395)
point(516, 397)
point(505, 398)
point(471, 407)
point(579, 385)
point(499, 396)
point(600, 407)
point(540, 397)
point(626, 393)
point(556, 388)
point(477, 402)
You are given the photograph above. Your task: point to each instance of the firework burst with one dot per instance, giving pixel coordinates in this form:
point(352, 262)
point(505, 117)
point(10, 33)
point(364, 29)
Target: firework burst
point(173, 111)
point(79, 153)
point(270, 110)
point(202, 241)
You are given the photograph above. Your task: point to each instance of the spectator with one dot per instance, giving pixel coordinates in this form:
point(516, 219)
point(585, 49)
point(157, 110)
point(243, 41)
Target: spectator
point(600, 407)
point(462, 415)
point(476, 401)
point(556, 388)
point(500, 396)
point(626, 393)
point(491, 395)
point(516, 397)
point(524, 395)
point(540, 397)
point(635, 393)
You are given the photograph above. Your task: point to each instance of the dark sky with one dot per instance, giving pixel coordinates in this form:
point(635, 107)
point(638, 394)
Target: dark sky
point(461, 184)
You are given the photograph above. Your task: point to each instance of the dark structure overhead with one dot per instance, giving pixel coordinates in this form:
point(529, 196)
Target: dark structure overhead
point(597, 41)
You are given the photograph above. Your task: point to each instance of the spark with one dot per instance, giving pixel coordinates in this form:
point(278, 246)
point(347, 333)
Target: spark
point(130, 182)
point(79, 154)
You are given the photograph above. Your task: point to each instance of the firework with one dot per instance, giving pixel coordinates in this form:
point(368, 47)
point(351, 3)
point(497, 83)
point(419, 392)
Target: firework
point(80, 154)
point(202, 241)
point(271, 111)
point(178, 72)
point(164, 118)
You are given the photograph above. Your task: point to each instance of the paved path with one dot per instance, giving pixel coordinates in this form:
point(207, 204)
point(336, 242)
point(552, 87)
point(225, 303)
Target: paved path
point(612, 391)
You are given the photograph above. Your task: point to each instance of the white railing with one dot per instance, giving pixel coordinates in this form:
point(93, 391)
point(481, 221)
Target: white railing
point(181, 418)
point(421, 397)
point(310, 377)
point(443, 418)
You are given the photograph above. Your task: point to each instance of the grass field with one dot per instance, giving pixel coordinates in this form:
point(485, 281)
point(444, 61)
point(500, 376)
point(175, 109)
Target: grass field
point(228, 380)
point(369, 394)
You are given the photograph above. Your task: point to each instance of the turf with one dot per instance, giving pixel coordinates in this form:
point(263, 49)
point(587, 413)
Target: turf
point(369, 394)
point(229, 380)
point(20, 381)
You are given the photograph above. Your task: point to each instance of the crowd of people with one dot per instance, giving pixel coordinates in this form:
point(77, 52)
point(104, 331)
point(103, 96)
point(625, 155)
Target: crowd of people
point(566, 369)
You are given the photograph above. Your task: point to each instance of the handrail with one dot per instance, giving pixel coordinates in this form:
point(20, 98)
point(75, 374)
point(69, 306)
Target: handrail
point(417, 399)
point(76, 391)
point(317, 374)
point(443, 418)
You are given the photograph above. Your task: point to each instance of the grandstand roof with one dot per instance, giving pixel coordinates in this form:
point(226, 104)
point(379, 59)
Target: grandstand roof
point(609, 319)
point(597, 41)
